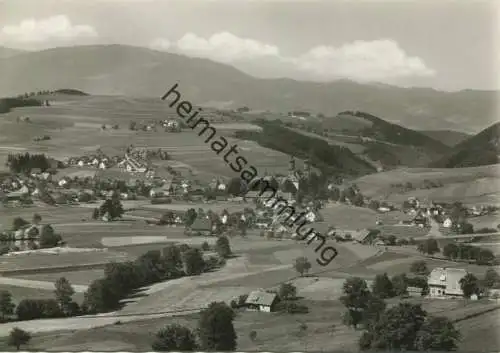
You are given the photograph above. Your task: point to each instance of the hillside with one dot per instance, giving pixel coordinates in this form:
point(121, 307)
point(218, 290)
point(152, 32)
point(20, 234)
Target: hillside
point(9, 52)
point(373, 139)
point(133, 71)
point(447, 137)
point(477, 185)
point(478, 150)
point(327, 158)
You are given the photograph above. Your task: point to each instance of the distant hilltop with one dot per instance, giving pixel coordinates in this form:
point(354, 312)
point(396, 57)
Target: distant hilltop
point(71, 91)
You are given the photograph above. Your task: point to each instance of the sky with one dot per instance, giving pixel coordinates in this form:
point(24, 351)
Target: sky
point(446, 45)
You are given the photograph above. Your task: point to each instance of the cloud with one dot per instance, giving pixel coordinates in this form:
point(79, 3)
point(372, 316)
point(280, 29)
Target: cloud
point(362, 60)
point(224, 47)
point(42, 30)
point(378, 60)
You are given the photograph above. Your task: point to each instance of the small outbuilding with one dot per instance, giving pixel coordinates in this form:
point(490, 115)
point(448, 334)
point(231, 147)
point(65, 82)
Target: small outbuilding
point(261, 301)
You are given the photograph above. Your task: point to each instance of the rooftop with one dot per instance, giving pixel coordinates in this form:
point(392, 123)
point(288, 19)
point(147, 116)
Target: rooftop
point(260, 298)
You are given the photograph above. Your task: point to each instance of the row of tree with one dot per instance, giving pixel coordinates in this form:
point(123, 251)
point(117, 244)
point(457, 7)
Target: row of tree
point(28, 309)
point(24, 163)
point(121, 279)
point(6, 104)
point(454, 251)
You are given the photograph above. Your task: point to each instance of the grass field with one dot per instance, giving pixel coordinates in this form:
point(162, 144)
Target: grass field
point(83, 277)
point(76, 127)
point(478, 185)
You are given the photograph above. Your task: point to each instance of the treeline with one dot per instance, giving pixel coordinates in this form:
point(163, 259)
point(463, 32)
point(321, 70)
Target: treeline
point(29, 309)
point(469, 253)
point(6, 104)
point(122, 279)
point(24, 163)
point(327, 158)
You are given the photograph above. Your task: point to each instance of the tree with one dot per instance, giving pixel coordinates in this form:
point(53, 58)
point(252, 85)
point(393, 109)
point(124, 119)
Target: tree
point(95, 213)
point(101, 297)
point(400, 284)
point(396, 329)
point(113, 207)
point(190, 217)
point(18, 337)
point(193, 262)
point(252, 335)
point(215, 328)
point(205, 246)
point(222, 247)
point(485, 257)
point(64, 291)
point(355, 297)
point(6, 304)
point(48, 237)
point(235, 186)
point(172, 261)
point(382, 286)
point(174, 337)
point(36, 218)
point(491, 278)
point(450, 251)
point(419, 268)
point(437, 334)
point(374, 307)
point(469, 285)
point(429, 247)
point(302, 265)
point(18, 223)
point(287, 291)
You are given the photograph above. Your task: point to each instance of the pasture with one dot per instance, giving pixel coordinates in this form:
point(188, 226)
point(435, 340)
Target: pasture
point(476, 185)
point(76, 126)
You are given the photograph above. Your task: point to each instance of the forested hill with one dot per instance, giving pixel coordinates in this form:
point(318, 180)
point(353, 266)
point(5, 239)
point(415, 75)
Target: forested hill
point(478, 150)
point(328, 158)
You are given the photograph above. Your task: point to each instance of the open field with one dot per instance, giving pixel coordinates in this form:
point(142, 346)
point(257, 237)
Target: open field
point(274, 331)
point(82, 277)
point(19, 293)
point(39, 262)
point(76, 126)
point(478, 185)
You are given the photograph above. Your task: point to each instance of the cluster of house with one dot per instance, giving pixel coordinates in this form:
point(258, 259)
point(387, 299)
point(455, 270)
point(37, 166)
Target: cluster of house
point(99, 160)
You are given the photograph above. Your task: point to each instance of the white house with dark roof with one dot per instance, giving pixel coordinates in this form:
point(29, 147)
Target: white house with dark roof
point(445, 281)
point(261, 301)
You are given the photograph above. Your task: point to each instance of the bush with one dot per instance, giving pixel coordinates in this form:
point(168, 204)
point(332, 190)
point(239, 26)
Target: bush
point(205, 246)
point(29, 309)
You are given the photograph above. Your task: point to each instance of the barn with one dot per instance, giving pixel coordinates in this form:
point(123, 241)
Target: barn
point(261, 301)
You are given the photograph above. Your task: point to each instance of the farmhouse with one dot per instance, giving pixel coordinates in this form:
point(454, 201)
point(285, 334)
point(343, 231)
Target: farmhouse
point(445, 282)
point(447, 223)
point(361, 236)
point(261, 301)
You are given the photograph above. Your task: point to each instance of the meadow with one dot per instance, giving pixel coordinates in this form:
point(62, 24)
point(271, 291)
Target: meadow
point(476, 185)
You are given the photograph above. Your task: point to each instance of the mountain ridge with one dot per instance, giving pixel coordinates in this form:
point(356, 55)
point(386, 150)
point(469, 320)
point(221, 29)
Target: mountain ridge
point(137, 71)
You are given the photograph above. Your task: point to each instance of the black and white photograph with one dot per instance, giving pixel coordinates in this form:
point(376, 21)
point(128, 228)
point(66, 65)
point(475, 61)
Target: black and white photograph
point(250, 176)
